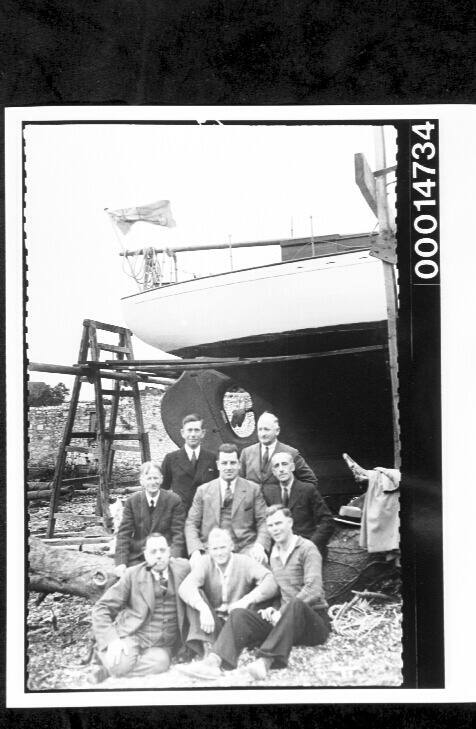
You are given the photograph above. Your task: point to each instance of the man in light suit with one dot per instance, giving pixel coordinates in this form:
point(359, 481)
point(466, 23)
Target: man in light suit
point(228, 502)
point(222, 582)
point(147, 511)
point(312, 519)
point(141, 621)
point(192, 465)
point(255, 461)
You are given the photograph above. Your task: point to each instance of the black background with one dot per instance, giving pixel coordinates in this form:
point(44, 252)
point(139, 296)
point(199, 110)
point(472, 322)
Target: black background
point(57, 52)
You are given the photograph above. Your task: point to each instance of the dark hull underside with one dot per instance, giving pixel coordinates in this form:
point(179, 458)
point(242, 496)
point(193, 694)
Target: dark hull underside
point(326, 406)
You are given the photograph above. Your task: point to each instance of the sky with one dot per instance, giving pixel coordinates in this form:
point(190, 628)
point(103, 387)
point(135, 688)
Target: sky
point(247, 182)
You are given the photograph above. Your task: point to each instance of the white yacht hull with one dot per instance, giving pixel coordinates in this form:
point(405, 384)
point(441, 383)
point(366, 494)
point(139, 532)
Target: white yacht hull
point(307, 294)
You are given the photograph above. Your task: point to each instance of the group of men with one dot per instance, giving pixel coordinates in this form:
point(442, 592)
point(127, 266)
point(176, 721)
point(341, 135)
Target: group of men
point(214, 554)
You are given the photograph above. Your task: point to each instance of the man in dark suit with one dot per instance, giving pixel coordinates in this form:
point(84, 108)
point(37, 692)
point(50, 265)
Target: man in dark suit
point(186, 469)
point(312, 518)
point(255, 461)
point(140, 621)
point(228, 502)
point(147, 511)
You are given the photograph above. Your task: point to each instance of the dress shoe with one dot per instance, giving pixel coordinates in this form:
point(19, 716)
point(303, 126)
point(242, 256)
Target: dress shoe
point(208, 669)
point(258, 669)
point(98, 675)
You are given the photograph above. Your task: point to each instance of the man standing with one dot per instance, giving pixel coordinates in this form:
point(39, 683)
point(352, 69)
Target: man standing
point(190, 466)
point(301, 618)
point(311, 517)
point(147, 511)
point(255, 461)
point(221, 582)
point(140, 621)
point(229, 502)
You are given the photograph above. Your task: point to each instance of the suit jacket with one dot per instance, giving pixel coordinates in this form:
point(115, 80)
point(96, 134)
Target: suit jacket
point(137, 523)
point(180, 476)
point(311, 516)
point(250, 460)
point(248, 515)
point(123, 608)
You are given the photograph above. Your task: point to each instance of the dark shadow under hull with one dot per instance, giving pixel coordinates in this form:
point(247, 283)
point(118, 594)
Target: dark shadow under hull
point(326, 405)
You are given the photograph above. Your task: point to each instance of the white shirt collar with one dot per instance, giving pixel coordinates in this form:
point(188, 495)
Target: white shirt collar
point(157, 575)
point(283, 554)
point(226, 572)
point(155, 498)
point(288, 487)
point(189, 451)
point(224, 484)
point(271, 448)
point(224, 576)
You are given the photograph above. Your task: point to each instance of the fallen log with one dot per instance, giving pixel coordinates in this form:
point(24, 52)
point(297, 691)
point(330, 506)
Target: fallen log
point(59, 541)
point(347, 568)
point(125, 490)
point(68, 571)
point(46, 493)
point(77, 483)
point(38, 485)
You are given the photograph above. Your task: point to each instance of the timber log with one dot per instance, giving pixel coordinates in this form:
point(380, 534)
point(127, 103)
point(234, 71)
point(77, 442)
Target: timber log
point(68, 571)
point(347, 567)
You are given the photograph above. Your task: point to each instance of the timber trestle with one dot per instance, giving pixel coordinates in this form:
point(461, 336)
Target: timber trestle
point(103, 439)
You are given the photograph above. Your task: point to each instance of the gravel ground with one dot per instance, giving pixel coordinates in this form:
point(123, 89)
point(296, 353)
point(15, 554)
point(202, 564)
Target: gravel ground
point(59, 639)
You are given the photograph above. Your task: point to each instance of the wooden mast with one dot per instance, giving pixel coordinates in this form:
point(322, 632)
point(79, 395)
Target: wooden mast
point(372, 185)
point(387, 244)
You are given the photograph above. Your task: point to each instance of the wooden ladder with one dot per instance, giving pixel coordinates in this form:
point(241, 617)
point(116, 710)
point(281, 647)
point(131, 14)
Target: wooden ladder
point(104, 435)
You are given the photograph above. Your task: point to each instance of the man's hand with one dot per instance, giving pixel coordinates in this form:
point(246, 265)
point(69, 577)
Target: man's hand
point(207, 622)
point(195, 558)
point(115, 650)
point(120, 569)
point(271, 615)
point(258, 554)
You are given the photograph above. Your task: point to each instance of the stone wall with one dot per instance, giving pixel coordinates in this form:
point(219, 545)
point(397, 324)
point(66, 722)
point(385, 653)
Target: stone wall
point(46, 426)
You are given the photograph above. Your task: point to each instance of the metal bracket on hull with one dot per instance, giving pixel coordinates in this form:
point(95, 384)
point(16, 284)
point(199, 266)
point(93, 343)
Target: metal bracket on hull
point(384, 247)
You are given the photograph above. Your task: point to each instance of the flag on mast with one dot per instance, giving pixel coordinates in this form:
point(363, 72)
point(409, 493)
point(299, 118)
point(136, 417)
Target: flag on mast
point(158, 213)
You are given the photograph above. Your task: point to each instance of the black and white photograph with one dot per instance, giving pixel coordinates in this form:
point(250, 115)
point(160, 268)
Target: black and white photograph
point(220, 467)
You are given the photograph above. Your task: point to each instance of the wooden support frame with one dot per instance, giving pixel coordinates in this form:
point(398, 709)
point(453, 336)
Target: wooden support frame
point(105, 434)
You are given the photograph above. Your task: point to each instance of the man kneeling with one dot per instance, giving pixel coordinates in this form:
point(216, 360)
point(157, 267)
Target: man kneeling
point(302, 615)
point(140, 621)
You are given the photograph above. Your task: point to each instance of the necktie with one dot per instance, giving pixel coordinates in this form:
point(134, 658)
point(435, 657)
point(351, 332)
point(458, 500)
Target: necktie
point(228, 496)
point(265, 458)
point(152, 505)
point(285, 496)
point(193, 459)
point(163, 581)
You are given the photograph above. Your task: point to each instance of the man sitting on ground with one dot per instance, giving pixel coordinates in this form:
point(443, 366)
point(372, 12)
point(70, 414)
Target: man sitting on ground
point(140, 621)
point(221, 582)
point(312, 518)
point(301, 618)
point(147, 511)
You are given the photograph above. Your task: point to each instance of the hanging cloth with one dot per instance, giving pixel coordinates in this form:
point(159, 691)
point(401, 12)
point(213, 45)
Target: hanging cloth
point(380, 526)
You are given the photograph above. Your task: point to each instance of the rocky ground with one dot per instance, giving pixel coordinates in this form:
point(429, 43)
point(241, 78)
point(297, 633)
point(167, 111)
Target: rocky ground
point(365, 652)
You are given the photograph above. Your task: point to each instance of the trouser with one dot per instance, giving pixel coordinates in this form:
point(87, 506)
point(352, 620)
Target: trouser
point(299, 625)
point(137, 661)
point(196, 633)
